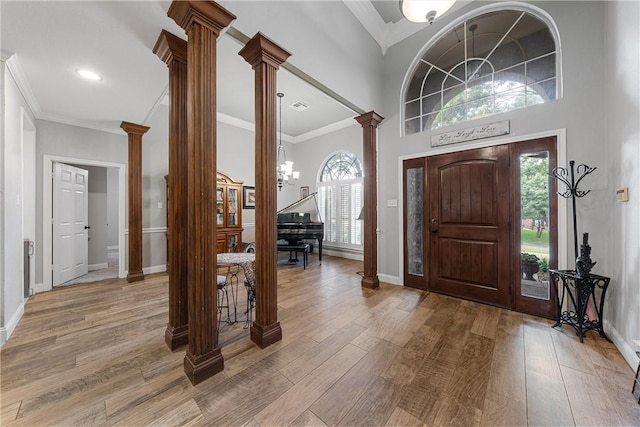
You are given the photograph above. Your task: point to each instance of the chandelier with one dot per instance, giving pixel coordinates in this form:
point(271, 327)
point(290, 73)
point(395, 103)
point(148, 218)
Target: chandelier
point(424, 10)
point(286, 174)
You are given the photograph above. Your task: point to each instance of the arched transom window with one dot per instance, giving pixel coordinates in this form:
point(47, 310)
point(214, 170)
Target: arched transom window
point(489, 64)
point(340, 199)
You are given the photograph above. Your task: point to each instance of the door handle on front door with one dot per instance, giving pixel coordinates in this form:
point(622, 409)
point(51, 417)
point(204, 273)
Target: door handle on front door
point(86, 227)
point(434, 225)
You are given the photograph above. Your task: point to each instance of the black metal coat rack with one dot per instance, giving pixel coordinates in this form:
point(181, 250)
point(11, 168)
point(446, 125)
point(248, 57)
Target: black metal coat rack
point(568, 177)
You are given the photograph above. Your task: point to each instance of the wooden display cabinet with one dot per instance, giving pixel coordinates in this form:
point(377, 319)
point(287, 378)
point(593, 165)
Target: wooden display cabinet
point(228, 214)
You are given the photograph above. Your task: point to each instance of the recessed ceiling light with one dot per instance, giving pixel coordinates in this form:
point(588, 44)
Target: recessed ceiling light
point(89, 75)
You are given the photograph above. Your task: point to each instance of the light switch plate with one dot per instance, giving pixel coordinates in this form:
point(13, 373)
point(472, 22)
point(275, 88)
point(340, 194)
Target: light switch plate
point(622, 195)
point(392, 203)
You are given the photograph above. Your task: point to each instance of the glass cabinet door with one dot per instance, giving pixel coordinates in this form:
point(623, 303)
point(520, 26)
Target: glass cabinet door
point(232, 243)
point(232, 207)
point(220, 205)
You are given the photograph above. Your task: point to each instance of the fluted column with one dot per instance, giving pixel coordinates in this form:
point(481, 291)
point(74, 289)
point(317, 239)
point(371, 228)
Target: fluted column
point(369, 122)
point(135, 133)
point(202, 22)
point(265, 58)
point(172, 50)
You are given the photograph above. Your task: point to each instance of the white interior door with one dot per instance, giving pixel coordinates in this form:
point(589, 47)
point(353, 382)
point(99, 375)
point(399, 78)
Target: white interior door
point(70, 213)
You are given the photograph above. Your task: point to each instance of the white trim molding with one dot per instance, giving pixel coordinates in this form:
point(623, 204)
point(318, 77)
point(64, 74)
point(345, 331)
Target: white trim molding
point(7, 331)
point(624, 348)
point(101, 266)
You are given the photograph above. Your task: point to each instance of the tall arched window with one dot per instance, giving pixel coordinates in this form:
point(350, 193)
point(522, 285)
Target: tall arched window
point(491, 63)
point(340, 199)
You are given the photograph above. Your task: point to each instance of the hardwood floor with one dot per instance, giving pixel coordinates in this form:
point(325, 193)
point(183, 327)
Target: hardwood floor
point(94, 354)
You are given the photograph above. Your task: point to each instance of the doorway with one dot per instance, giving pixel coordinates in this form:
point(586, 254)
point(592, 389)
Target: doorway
point(47, 243)
point(464, 215)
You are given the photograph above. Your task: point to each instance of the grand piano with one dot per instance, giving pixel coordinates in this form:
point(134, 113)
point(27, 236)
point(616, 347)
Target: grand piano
point(300, 221)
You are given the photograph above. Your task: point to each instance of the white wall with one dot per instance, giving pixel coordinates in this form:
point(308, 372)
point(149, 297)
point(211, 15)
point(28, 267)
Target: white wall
point(97, 245)
point(622, 102)
point(29, 187)
point(11, 277)
point(112, 207)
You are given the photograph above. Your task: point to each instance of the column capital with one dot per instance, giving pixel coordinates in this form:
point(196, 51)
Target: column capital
point(369, 119)
point(206, 13)
point(170, 47)
point(132, 128)
point(262, 49)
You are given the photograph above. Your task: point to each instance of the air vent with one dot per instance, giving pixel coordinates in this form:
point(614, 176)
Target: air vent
point(299, 106)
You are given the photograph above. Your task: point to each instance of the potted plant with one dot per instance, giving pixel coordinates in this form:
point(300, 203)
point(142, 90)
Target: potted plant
point(543, 272)
point(530, 265)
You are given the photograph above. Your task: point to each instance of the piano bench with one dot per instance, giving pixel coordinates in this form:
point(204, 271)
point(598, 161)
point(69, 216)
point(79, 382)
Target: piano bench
point(301, 247)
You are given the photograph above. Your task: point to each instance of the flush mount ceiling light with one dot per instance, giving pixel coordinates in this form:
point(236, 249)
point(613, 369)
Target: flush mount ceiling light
point(424, 10)
point(89, 75)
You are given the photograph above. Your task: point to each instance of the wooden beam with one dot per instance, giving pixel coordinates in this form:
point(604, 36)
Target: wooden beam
point(172, 50)
point(265, 58)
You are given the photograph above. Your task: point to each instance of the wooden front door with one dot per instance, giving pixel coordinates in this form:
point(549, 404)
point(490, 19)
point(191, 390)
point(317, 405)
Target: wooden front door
point(468, 225)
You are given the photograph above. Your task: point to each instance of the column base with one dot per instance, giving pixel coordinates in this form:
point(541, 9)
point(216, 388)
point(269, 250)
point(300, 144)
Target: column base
point(370, 282)
point(264, 336)
point(176, 337)
point(200, 368)
point(135, 276)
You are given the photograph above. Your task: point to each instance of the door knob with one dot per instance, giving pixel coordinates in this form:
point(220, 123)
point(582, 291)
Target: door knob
point(86, 227)
point(434, 225)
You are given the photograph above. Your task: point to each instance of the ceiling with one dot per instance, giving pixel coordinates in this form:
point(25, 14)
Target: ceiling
point(110, 38)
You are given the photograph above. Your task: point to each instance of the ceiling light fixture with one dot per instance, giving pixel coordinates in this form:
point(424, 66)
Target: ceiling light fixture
point(286, 174)
point(424, 10)
point(89, 75)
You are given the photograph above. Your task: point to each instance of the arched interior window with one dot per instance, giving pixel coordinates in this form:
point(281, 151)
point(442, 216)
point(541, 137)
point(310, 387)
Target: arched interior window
point(489, 64)
point(340, 199)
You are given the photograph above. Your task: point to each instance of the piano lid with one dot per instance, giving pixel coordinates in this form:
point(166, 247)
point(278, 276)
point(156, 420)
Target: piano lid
point(307, 207)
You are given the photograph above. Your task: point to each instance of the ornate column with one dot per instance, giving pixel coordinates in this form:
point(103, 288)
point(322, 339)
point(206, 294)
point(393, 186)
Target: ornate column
point(202, 21)
point(172, 50)
point(135, 133)
point(265, 58)
point(369, 122)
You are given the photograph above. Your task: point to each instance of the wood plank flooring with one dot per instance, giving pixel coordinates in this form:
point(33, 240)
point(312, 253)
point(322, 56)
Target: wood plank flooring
point(94, 354)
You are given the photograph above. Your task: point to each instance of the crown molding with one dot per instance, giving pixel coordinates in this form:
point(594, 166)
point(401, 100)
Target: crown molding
point(5, 54)
point(163, 99)
point(14, 67)
point(324, 130)
point(370, 20)
point(387, 34)
point(81, 123)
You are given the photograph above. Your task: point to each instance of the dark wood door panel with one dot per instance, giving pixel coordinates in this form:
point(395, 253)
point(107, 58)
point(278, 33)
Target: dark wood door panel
point(469, 215)
point(472, 262)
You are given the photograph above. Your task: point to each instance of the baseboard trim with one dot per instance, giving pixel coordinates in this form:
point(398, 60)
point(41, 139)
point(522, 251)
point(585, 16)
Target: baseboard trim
point(394, 280)
point(101, 266)
point(7, 331)
point(623, 347)
point(346, 253)
point(39, 287)
point(154, 269)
